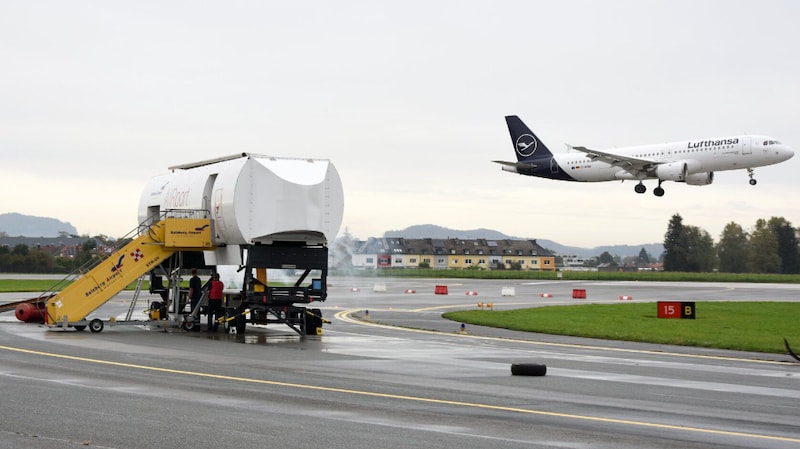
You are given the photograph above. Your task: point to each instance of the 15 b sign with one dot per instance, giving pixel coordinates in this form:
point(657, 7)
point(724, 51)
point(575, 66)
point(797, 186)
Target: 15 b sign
point(674, 309)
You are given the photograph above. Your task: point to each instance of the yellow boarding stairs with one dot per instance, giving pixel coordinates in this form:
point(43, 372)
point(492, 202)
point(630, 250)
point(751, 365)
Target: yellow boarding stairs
point(155, 243)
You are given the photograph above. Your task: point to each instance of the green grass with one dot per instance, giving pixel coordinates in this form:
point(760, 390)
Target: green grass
point(40, 285)
point(743, 326)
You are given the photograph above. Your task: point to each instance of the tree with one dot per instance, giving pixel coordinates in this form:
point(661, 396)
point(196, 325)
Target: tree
point(688, 248)
point(674, 253)
point(787, 244)
point(20, 250)
point(732, 249)
point(606, 257)
point(699, 249)
point(763, 256)
point(644, 258)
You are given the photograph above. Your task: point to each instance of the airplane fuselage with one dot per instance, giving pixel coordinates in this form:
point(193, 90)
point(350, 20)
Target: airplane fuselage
point(692, 161)
point(700, 156)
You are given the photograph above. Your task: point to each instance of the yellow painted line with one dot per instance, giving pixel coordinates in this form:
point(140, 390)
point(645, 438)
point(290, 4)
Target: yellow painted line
point(406, 398)
point(345, 316)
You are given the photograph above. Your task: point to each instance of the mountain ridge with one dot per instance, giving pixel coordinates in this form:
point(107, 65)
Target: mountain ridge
point(440, 232)
point(14, 224)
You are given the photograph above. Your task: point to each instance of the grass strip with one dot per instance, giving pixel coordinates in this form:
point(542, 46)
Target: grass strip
point(43, 285)
point(742, 326)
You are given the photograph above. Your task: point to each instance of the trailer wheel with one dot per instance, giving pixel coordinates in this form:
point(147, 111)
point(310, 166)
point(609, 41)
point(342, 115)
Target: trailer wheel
point(188, 325)
point(80, 328)
point(528, 369)
point(96, 325)
point(313, 321)
point(240, 322)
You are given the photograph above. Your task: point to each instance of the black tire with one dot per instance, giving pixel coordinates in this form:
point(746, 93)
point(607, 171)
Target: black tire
point(96, 325)
point(240, 322)
point(317, 317)
point(80, 328)
point(188, 324)
point(528, 369)
point(309, 323)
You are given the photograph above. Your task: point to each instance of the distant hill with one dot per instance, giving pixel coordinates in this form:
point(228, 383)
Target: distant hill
point(18, 225)
point(439, 232)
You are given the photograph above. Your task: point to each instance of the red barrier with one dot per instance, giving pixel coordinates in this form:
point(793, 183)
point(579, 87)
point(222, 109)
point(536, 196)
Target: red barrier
point(578, 293)
point(440, 290)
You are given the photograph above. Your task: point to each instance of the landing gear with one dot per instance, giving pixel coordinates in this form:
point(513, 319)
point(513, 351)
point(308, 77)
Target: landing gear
point(750, 174)
point(658, 191)
point(639, 188)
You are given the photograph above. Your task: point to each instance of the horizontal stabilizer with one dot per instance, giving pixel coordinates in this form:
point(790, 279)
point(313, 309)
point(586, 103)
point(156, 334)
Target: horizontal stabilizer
point(522, 165)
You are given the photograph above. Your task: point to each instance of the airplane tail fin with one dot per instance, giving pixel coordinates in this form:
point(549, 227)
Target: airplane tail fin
point(527, 146)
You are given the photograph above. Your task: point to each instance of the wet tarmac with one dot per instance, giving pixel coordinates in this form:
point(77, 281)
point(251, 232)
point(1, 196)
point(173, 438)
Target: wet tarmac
point(404, 378)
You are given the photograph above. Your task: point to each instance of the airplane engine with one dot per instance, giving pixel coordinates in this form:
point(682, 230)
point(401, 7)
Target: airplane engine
point(700, 179)
point(673, 171)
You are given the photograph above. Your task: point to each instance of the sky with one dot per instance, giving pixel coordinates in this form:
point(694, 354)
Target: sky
point(406, 99)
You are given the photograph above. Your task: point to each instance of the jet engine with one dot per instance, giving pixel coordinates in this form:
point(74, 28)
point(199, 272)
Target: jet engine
point(673, 171)
point(700, 179)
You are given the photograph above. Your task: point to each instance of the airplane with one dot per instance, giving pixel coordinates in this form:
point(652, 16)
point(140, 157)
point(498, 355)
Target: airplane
point(692, 162)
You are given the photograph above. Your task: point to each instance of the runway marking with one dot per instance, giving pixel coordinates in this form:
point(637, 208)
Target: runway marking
point(461, 306)
point(407, 398)
point(345, 316)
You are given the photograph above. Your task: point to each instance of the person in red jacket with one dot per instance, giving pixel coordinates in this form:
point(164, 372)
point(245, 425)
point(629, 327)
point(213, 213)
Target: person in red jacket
point(215, 310)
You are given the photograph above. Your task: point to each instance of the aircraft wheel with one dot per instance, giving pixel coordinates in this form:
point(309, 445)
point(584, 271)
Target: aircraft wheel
point(96, 325)
point(753, 182)
point(658, 191)
point(528, 369)
point(640, 188)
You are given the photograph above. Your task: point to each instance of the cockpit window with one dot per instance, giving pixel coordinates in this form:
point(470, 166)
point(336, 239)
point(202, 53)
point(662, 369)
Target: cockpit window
point(771, 142)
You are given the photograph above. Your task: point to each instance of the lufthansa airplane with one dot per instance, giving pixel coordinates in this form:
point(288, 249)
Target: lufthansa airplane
point(693, 162)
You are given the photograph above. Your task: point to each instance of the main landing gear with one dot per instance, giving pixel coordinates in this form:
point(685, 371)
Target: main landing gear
point(750, 174)
point(658, 191)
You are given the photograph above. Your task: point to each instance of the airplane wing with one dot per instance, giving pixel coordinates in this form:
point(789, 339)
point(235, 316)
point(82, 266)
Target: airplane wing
point(631, 164)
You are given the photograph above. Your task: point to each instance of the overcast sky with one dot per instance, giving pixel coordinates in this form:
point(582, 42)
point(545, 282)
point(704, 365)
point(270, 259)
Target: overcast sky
point(406, 98)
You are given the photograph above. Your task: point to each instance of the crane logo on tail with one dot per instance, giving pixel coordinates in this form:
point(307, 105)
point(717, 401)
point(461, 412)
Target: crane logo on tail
point(201, 228)
point(526, 145)
point(119, 264)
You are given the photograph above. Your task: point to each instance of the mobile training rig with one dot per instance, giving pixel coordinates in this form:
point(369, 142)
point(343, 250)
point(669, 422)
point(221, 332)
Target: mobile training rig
point(261, 222)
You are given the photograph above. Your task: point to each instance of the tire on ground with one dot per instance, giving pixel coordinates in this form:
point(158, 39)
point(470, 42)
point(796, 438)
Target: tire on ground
point(528, 369)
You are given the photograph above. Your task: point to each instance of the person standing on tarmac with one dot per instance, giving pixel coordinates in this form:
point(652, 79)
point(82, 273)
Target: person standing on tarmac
point(195, 293)
point(214, 311)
